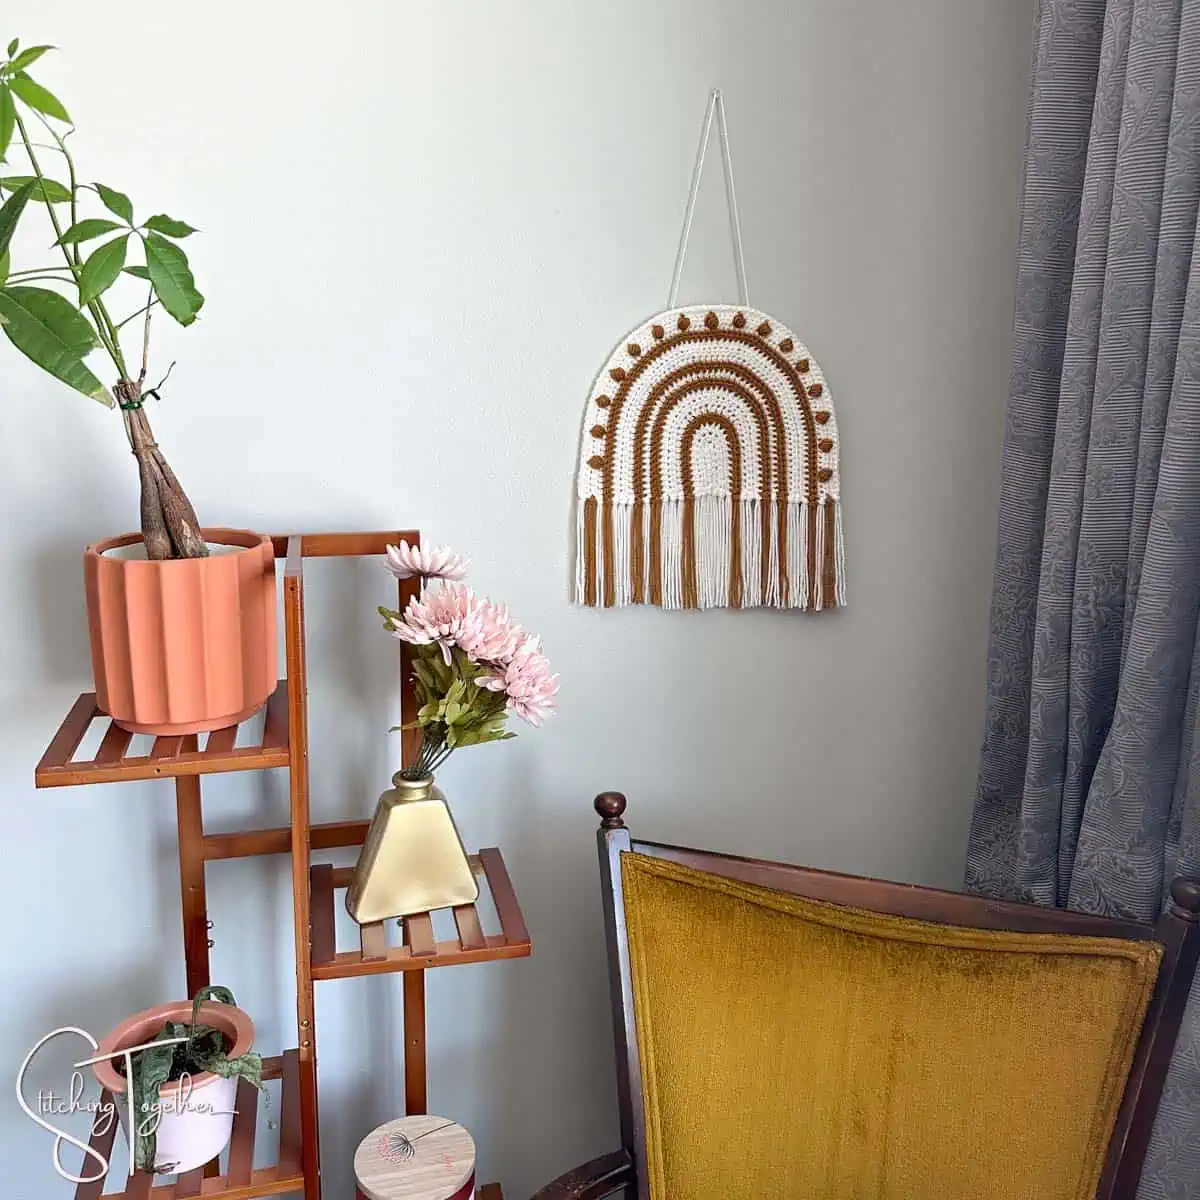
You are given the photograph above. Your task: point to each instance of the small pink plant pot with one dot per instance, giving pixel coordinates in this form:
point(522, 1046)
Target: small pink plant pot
point(196, 1116)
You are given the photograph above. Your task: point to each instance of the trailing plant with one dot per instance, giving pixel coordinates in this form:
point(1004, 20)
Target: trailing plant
point(472, 664)
point(58, 314)
point(203, 1050)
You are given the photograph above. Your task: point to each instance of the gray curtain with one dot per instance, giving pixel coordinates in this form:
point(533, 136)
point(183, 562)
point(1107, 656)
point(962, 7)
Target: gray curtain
point(1089, 785)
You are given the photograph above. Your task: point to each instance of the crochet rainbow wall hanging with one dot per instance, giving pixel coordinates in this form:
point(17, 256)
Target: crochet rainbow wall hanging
point(709, 462)
point(708, 473)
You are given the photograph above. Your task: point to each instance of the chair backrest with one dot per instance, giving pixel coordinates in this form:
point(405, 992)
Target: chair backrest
point(783, 1031)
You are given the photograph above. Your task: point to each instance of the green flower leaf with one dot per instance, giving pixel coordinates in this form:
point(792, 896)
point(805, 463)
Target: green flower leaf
point(101, 269)
point(27, 58)
point(138, 273)
point(38, 98)
point(8, 120)
point(172, 279)
point(4, 266)
point(84, 231)
point(51, 332)
point(10, 214)
point(170, 227)
point(13, 47)
point(46, 191)
point(116, 202)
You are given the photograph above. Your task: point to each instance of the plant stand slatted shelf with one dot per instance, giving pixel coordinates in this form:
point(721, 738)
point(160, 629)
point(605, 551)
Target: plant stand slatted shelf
point(283, 742)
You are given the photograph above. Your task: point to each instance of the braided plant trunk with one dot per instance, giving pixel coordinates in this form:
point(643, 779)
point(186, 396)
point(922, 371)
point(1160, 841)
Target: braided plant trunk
point(170, 528)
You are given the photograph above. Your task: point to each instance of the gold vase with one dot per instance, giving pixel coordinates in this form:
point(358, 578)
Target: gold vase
point(413, 860)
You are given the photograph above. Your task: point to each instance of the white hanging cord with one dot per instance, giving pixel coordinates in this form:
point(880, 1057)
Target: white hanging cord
point(716, 107)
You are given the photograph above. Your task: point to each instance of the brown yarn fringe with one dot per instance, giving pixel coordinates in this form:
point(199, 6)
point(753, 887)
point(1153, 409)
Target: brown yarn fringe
point(666, 544)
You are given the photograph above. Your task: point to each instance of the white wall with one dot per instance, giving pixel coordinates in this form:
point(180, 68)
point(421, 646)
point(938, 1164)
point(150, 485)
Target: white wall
point(425, 224)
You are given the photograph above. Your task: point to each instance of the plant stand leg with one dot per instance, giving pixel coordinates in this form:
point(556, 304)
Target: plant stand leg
point(297, 675)
point(191, 875)
point(414, 1043)
point(190, 821)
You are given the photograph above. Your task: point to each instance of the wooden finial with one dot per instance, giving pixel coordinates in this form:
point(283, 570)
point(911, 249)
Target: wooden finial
point(1184, 891)
point(610, 806)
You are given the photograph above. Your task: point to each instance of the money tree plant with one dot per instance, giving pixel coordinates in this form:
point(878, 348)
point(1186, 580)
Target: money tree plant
point(58, 314)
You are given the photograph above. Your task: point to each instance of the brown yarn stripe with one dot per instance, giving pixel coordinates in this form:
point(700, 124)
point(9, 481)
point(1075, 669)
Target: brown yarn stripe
point(637, 549)
point(589, 550)
point(829, 579)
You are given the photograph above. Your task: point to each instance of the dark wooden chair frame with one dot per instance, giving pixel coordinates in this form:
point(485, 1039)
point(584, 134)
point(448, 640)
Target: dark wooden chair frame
point(1177, 931)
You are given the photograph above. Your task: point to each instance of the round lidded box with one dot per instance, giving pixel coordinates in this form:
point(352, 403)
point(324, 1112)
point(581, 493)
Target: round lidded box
point(416, 1158)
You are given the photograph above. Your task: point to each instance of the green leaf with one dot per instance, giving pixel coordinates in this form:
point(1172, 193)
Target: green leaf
point(116, 202)
point(45, 191)
point(27, 58)
point(38, 98)
point(13, 46)
point(4, 264)
point(51, 331)
point(101, 269)
point(138, 272)
point(151, 1068)
point(172, 279)
point(8, 120)
point(84, 231)
point(161, 223)
point(10, 213)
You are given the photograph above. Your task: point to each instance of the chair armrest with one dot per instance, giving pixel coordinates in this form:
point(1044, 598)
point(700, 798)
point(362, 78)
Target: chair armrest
point(603, 1176)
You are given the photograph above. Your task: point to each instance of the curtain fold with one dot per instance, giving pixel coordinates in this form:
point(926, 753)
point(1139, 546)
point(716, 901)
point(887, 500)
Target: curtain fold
point(1089, 782)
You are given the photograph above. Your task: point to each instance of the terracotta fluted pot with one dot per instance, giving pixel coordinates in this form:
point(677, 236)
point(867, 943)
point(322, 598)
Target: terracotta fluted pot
point(196, 1114)
point(182, 645)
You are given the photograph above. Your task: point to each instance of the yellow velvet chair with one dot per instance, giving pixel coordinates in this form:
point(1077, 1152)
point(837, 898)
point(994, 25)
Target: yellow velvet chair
point(791, 1034)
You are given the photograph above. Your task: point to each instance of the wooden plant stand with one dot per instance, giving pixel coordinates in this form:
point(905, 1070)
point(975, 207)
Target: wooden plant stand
point(284, 743)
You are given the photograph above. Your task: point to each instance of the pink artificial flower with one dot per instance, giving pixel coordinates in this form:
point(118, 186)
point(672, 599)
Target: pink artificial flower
point(526, 681)
point(431, 562)
point(437, 618)
point(490, 636)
